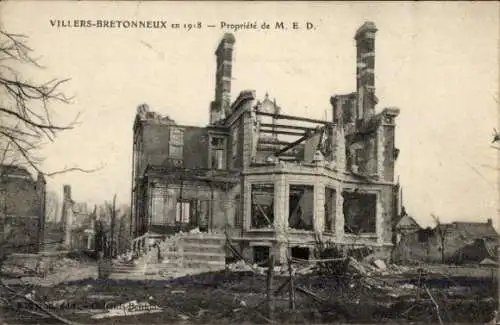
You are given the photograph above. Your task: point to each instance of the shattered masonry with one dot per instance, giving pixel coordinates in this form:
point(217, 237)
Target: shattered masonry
point(271, 179)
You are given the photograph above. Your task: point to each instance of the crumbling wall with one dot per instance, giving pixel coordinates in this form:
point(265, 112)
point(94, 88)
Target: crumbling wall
point(247, 135)
point(195, 148)
point(155, 146)
point(19, 197)
point(389, 152)
point(386, 206)
point(21, 213)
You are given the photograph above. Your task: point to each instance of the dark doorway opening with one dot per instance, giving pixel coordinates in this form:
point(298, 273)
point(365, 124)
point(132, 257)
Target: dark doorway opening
point(260, 255)
point(302, 253)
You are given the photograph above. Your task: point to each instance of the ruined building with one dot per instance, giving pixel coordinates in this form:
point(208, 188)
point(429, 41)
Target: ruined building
point(77, 223)
point(22, 210)
point(271, 181)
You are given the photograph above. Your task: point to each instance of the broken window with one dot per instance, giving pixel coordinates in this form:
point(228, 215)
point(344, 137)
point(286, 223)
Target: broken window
point(301, 207)
point(183, 211)
point(176, 143)
point(359, 212)
point(218, 153)
point(262, 205)
point(330, 205)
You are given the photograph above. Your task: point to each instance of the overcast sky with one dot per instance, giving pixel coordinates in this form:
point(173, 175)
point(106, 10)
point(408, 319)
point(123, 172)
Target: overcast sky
point(437, 62)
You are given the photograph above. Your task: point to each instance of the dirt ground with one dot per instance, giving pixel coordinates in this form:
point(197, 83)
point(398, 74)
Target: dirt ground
point(239, 298)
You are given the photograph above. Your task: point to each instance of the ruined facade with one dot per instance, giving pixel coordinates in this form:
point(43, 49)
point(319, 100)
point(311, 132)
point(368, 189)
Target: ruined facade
point(270, 180)
point(22, 210)
point(77, 223)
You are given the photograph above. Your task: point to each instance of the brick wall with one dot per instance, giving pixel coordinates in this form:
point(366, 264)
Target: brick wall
point(155, 142)
point(22, 208)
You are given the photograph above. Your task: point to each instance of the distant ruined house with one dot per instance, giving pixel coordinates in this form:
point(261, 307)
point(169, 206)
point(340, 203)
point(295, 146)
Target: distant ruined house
point(22, 210)
point(405, 225)
point(464, 243)
point(271, 180)
point(76, 229)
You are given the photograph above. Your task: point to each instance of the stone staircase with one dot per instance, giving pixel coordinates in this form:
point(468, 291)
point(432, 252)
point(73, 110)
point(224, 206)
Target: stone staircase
point(181, 254)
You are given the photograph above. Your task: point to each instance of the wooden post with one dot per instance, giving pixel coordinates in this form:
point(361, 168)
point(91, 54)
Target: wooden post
point(270, 302)
point(112, 230)
point(291, 285)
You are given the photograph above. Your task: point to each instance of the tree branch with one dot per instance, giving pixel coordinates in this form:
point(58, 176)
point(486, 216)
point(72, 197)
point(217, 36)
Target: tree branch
point(26, 118)
point(66, 170)
point(30, 122)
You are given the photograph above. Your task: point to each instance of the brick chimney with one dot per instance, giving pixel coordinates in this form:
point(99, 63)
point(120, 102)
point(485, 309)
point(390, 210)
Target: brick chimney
point(67, 215)
point(219, 108)
point(365, 70)
point(67, 192)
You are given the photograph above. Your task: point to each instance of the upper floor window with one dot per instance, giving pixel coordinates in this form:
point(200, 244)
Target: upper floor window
point(176, 143)
point(218, 153)
point(235, 138)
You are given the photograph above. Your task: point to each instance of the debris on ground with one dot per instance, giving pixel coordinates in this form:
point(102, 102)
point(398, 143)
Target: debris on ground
point(380, 264)
point(47, 270)
point(239, 266)
point(183, 317)
point(128, 309)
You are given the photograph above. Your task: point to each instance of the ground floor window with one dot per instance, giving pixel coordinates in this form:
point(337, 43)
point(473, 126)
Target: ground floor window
point(301, 207)
point(262, 198)
point(360, 211)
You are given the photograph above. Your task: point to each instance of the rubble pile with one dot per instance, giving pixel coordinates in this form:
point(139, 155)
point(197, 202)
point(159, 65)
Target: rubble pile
point(47, 270)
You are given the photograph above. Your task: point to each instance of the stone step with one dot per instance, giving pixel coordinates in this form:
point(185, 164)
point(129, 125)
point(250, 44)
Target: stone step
point(169, 266)
point(188, 255)
point(195, 264)
point(205, 248)
point(203, 241)
point(205, 257)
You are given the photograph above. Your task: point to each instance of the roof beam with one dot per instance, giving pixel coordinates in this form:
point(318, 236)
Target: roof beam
point(281, 132)
point(293, 118)
point(284, 126)
point(275, 142)
point(295, 143)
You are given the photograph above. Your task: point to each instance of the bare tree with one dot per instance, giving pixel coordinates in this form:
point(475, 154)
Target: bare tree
point(27, 119)
point(26, 107)
point(442, 231)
